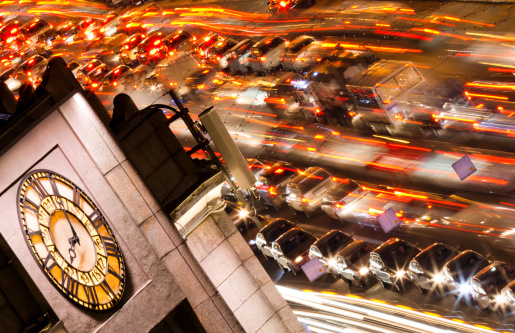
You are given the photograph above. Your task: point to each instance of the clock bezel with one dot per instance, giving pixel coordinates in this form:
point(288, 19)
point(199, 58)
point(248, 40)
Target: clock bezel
point(95, 307)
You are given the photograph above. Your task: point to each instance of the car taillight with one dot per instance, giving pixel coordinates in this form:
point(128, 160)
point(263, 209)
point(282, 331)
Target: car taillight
point(262, 58)
point(115, 84)
point(272, 190)
point(338, 205)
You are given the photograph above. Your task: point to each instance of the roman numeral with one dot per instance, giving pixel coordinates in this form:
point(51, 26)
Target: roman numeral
point(34, 233)
point(39, 189)
point(76, 196)
point(47, 260)
point(111, 248)
point(110, 270)
point(96, 219)
point(107, 289)
point(71, 286)
point(30, 205)
point(91, 294)
point(53, 184)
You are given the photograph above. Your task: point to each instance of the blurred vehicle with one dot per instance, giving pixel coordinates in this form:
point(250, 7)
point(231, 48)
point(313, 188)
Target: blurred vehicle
point(150, 50)
point(213, 54)
point(33, 66)
point(9, 77)
point(282, 91)
point(425, 270)
point(29, 71)
point(506, 302)
point(326, 249)
point(31, 31)
point(179, 40)
point(306, 191)
point(110, 49)
point(272, 183)
point(291, 249)
point(229, 60)
point(109, 26)
point(245, 225)
point(352, 263)
point(129, 48)
point(59, 35)
point(492, 94)
point(73, 66)
point(381, 95)
point(459, 271)
point(202, 81)
point(84, 29)
point(269, 233)
point(389, 262)
point(338, 201)
point(90, 66)
point(9, 32)
point(326, 96)
point(118, 76)
point(280, 6)
point(199, 49)
point(266, 54)
point(290, 53)
point(93, 79)
point(488, 283)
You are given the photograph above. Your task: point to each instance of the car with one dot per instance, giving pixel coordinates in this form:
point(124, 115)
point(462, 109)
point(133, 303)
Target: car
point(268, 234)
point(31, 31)
point(326, 249)
point(116, 77)
point(202, 81)
point(390, 260)
point(272, 183)
point(109, 25)
point(425, 270)
point(9, 32)
point(150, 50)
point(304, 193)
point(129, 48)
point(93, 80)
point(59, 35)
point(338, 201)
point(459, 271)
point(229, 60)
point(245, 224)
point(291, 249)
point(215, 51)
point(291, 52)
point(487, 284)
point(84, 29)
point(179, 40)
point(199, 49)
point(281, 91)
point(266, 54)
point(352, 263)
point(111, 46)
point(506, 302)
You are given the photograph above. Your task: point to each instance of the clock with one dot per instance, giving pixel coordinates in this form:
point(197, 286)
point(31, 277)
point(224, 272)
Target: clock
point(71, 240)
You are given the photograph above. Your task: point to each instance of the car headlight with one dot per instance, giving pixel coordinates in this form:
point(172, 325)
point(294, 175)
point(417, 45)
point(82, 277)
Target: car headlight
point(243, 213)
point(438, 278)
point(464, 288)
point(500, 299)
point(252, 242)
point(363, 270)
point(332, 262)
point(298, 259)
point(400, 273)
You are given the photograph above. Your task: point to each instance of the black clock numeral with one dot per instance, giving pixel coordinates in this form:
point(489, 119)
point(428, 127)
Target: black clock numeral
point(30, 205)
point(96, 219)
point(70, 284)
point(110, 270)
point(76, 196)
point(107, 289)
point(111, 248)
point(53, 184)
point(91, 294)
point(39, 189)
point(31, 233)
point(47, 260)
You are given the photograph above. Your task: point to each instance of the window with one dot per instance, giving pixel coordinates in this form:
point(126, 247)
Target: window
point(363, 251)
point(407, 78)
point(388, 90)
point(365, 98)
point(181, 320)
point(334, 244)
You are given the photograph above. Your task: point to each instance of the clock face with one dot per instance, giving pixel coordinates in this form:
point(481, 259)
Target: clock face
point(71, 240)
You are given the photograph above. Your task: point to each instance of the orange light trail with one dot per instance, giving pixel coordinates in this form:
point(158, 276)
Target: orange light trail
point(504, 98)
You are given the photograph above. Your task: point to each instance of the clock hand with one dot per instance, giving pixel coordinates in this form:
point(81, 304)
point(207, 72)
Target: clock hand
point(74, 239)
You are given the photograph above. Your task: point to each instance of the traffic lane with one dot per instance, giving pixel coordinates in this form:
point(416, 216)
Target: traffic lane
point(422, 236)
